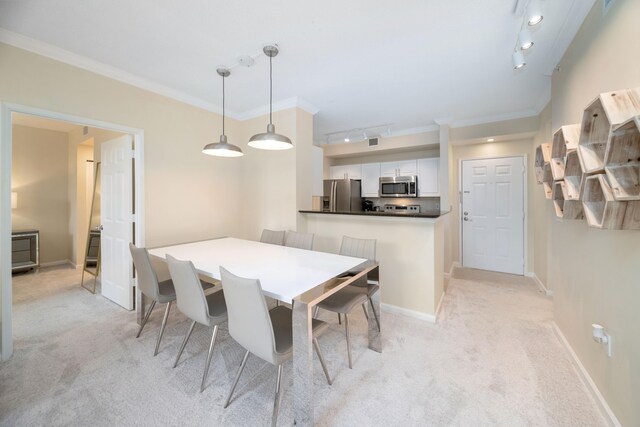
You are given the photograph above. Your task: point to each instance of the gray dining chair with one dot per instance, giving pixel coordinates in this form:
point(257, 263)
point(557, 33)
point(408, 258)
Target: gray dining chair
point(272, 236)
point(209, 310)
point(299, 240)
point(266, 333)
point(158, 292)
point(347, 299)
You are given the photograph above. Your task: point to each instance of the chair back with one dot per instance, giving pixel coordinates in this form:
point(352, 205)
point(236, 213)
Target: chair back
point(147, 278)
point(358, 248)
point(249, 320)
point(273, 237)
point(299, 240)
point(189, 294)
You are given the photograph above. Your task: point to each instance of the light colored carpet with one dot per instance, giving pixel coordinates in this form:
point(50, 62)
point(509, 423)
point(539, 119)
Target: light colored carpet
point(492, 359)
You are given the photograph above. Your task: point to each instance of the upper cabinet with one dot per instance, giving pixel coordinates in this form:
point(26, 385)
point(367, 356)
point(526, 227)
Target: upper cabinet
point(402, 168)
point(427, 171)
point(346, 172)
point(428, 177)
point(370, 179)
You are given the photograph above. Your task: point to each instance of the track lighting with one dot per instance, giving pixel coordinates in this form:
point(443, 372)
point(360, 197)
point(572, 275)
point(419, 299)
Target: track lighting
point(525, 39)
point(518, 60)
point(534, 13)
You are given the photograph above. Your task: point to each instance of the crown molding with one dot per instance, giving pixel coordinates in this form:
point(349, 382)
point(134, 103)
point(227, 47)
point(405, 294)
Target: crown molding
point(529, 112)
point(414, 131)
point(285, 104)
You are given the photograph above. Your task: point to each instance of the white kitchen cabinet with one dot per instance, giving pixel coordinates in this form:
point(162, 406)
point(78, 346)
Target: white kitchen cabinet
point(403, 168)
point(428, 174)
point(345, 172)
point(370, 179)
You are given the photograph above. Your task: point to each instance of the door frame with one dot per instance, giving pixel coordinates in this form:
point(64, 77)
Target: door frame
point(525, 202)
point(6, 294)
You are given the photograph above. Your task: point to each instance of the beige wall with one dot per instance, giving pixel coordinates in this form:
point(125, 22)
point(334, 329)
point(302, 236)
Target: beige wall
point(40, 177)
point(176, 174)
point(595, 274)
point(492, 149)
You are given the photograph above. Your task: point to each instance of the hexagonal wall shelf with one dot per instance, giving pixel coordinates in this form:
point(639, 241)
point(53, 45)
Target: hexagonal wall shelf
point(622, 160)
point(543, 155)
point(565, 209)
point(573, 176)
point(603, 211)
point(547, 181)
point(607, 110)
point(565, 140)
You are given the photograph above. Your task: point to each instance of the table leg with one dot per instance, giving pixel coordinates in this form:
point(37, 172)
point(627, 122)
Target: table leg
point(302, 364)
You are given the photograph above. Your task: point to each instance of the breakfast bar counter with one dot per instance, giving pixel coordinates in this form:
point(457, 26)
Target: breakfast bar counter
point(409, 248)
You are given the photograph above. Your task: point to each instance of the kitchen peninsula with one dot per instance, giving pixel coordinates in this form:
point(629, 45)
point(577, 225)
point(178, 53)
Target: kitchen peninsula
point(410, 249)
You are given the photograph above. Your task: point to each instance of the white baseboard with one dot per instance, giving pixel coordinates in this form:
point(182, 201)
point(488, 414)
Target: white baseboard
point(541, 285)
point(409, 313)
point(608, 414)
point(454, 265)
point(439, 305)
point(54, 263)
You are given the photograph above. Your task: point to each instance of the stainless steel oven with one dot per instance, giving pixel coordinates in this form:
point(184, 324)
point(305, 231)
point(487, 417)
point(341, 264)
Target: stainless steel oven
point(398, 186)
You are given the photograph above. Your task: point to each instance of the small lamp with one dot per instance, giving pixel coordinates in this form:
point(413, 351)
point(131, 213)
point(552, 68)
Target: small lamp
point(14, 200)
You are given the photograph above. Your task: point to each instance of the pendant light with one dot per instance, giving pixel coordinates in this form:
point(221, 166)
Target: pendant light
point(222, 148)
point(270, 140)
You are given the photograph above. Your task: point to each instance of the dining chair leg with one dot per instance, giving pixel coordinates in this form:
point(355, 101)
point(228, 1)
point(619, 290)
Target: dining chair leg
point(184, 343)
point(235, 381)
point(276, 403)
point(346, 325)
point(206, 367)
point(146, 317)
point(164, 324)
point(375, 315)
point(322, 362)
point(339, 319)
point(364, 308)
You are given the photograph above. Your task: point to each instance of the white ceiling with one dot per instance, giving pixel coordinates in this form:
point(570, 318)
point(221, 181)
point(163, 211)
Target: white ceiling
point(358, 62)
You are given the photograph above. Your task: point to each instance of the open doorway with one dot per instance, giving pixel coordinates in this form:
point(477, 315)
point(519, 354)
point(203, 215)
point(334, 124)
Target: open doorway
point(53, 160)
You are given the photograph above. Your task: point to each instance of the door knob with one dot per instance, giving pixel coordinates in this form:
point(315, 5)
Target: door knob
point(466, 213)
point(466, 219)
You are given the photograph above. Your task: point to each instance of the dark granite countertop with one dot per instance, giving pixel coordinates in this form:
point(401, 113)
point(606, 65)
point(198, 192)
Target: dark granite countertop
point(431, 214)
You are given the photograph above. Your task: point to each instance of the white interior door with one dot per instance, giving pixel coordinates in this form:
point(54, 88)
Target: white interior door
point(493, 214)
point(116, 216)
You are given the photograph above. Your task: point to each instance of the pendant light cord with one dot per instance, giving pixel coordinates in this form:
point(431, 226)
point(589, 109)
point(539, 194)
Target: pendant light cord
point(270, 89)
point(223, 104)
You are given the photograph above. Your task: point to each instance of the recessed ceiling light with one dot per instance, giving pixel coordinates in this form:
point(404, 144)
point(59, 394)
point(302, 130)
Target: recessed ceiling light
point(490, 139)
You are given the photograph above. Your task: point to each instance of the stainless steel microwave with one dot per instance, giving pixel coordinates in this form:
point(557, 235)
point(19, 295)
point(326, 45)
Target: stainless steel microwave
point(398, 186)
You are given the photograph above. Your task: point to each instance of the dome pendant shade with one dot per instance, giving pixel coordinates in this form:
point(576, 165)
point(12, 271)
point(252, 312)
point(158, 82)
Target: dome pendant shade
point(270, 140)
point(222, 148)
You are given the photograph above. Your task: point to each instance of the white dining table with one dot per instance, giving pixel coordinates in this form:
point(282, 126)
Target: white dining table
point(298, 276)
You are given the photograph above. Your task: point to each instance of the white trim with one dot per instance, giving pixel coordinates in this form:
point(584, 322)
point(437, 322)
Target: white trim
point(285, 104)
point(55, 263)
point(454, 265)
point(606, 411)
point(409, 313)
point(541, 285)
point(6, 309)
point(413, 131)
point(525, 195)
point(439, 306)
point(495, 118)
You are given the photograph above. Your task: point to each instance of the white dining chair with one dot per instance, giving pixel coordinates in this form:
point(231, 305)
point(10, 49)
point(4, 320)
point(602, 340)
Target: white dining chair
point(347, 299)
point(273, 237)
point(265, 333)
point(209, 310)
point(299, 240)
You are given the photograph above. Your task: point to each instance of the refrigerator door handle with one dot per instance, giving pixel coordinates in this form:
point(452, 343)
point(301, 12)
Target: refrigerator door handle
point(334, 194)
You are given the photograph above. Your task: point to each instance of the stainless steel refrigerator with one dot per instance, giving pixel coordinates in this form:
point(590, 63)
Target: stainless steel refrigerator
point(342, 195)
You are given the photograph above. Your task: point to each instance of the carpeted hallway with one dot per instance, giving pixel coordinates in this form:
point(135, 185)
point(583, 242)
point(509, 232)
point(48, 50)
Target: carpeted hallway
point(492, 359)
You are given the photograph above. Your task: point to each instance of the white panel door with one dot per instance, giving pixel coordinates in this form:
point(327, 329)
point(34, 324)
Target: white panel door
point(493, 214)
point(116, 219)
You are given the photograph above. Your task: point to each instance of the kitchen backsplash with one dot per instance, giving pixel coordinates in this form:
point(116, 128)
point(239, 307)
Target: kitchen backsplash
point(427, 204)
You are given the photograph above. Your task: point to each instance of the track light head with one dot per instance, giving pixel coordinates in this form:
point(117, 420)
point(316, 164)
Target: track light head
point(518, 60)
point(534, 13)
point(525, 41)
